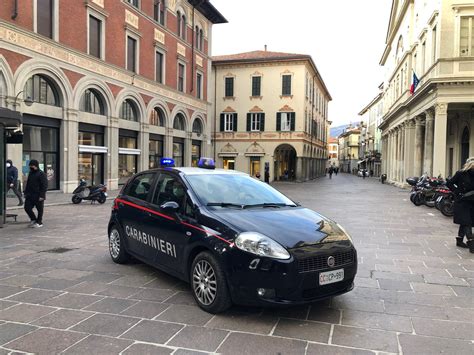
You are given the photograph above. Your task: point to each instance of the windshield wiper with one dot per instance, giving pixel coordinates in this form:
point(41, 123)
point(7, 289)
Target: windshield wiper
point(224, 204)
point(269, 204)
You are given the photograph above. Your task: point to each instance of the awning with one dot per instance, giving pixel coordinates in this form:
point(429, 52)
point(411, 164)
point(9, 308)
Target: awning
point(93, 149)
point(10, 119)
point(130, 151)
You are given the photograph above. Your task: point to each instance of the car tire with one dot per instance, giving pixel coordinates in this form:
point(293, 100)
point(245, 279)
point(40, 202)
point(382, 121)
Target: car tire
point(205, 273)
point(116, 246)
point(76, 200)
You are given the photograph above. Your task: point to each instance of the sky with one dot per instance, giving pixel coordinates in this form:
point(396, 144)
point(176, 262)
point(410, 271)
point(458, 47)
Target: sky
point(346, 39)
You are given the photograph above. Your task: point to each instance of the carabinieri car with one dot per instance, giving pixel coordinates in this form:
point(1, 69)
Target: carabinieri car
point(234, 238)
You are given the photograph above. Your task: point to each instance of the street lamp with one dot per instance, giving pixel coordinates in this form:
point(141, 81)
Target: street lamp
point(28, 101)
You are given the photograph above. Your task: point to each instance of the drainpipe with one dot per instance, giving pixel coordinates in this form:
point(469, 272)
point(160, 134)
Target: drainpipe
point(215, 111)
point(192, 52)
point(15, 10)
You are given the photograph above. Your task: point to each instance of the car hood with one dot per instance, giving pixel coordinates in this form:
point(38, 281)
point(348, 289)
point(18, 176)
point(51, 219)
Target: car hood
point(292, 227)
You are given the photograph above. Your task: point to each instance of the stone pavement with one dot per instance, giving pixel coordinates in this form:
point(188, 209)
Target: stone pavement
point(60, 292)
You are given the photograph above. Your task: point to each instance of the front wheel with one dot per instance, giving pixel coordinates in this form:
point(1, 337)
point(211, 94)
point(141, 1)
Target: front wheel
point(102, 199)
point(116, 247)
point(418, 200)
point(208, 283)
point(446, 208)
point(76, 199)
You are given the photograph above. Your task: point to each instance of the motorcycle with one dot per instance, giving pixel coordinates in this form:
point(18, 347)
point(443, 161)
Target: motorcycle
point(445, 203)
point(89, 193)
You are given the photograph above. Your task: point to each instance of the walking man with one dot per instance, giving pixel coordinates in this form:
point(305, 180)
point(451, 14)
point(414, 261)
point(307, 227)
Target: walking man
point(330, 172)
point(35, 194)
point(12, 181)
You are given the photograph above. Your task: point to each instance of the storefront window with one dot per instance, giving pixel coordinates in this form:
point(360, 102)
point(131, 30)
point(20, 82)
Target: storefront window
point(91, 164)
point(156, 153)
point(89, 138)
point(229, 163)
point(41, 143)
point(196, 153)
point(127, 162)
point(254, 166)
point(178, 153)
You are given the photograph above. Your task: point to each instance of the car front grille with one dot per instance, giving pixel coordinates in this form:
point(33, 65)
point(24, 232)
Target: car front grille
point(320, 262)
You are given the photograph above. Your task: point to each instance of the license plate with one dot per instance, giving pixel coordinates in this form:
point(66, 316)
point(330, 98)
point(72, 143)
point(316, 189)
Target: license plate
point(330, 277)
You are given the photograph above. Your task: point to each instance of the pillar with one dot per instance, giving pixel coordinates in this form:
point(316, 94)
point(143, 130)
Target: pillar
point(188, 149)
point(409, 149)
point(428, 149)
point(69, 151)
point(419, 146)
point(168, 143)
point(439, 139)
point(299, 169)
point(144, 146)
point(388, 166)
point(112, 161)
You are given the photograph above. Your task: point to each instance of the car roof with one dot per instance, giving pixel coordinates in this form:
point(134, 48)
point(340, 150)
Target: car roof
point(200, 171)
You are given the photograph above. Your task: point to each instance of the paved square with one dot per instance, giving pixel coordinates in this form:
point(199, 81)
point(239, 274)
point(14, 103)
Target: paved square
point(414, 290)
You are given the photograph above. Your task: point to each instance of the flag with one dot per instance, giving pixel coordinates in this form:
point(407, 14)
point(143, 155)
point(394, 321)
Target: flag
point(414, 84)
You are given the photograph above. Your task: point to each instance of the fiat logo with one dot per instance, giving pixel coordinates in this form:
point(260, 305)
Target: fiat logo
point(331, 261)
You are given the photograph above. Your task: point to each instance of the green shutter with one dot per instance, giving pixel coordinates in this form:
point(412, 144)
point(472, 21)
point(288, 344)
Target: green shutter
point(278, 125)
point(222, 122)
point(262, 122)
point(234, 117)
point(249, 115)
point(293, 119)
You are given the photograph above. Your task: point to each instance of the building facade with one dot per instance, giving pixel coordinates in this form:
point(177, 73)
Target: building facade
point(114, 87)
point(333, 151)
point(432, 130)
point(371, 136)
point(271, 115)
point(349, 149)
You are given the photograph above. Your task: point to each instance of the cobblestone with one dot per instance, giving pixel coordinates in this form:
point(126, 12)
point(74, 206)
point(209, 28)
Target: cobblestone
point(414, 289)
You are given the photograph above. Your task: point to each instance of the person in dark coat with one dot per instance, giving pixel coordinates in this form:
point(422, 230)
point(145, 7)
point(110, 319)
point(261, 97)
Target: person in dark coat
point(461, 184)
point(12, 181)
point(35, 194)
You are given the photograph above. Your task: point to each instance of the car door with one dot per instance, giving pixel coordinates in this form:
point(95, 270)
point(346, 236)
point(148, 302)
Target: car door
point(132, 213)
point(168, 228)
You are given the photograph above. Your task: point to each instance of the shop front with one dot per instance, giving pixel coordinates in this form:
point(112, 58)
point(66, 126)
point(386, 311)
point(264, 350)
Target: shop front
point(92, 153)
point(178, 151)
point(41, 142)
point(128, 155)
point(195, 153)
point(155, 150)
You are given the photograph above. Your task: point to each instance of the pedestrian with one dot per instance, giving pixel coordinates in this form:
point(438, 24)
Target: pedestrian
point(364, 173)
point(462, 184)
point(336, 170)
point(330, 172)
point(35, 194)
point(12, 181)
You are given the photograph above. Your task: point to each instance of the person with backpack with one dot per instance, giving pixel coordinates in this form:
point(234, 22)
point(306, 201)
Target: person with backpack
point(12, 181)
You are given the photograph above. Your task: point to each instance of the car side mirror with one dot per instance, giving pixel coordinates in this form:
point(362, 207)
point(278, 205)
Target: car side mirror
point(170, 206)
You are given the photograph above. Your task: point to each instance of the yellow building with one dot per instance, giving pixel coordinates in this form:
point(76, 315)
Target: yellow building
point(270, 115)
point(349, 149)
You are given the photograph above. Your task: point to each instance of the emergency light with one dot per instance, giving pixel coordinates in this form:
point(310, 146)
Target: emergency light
point(206, 163)
point(167, 162)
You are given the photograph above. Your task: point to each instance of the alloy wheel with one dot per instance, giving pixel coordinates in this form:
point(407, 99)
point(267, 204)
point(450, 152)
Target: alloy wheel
point(114, 243)
point(204, 282)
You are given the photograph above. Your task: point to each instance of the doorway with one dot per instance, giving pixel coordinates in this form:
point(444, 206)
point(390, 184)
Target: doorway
point(91, 168)
point(285, 162)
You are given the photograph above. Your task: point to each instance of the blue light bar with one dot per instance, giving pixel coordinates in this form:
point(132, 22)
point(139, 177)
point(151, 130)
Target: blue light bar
point(167, 162)
point(206, 163)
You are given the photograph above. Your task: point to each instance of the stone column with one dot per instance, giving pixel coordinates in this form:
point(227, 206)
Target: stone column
point(112, 162)
point(389, 155)
point(188, 149)
point(428, 150)
point(69, 151)
point(409, 149)
point(168, 143)
point(299, 169)
point(419, 145)
point(143, 145)
point(401, 156)
point(439, 139)
point(397, 154)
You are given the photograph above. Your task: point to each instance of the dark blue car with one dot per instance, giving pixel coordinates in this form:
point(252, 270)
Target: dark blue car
point(235, 239)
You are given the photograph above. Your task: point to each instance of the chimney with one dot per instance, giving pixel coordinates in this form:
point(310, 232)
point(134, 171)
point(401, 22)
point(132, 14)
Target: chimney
point(265, 46)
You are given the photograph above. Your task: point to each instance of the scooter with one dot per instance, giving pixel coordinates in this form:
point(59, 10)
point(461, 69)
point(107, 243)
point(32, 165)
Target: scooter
point(89, 193)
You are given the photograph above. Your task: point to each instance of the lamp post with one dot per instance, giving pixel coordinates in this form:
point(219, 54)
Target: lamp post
point(28, 101)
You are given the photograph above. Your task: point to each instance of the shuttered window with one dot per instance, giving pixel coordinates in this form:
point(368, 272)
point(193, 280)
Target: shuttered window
point(256, 85)
point(95, 36)
point(229, 87)
point(131, 54)
point(286, 85)
point(228, 122)
point(285, 121)
point(255, 122)
point(44, 17)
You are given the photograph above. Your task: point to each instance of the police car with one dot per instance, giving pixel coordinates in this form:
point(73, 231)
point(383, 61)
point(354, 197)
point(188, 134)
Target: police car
point(234, 238)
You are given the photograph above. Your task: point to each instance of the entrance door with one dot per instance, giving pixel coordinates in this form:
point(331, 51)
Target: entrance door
point(285, 162)
point(91, 168)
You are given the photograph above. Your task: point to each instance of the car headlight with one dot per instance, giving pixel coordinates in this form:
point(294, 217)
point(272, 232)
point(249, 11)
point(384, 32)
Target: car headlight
point(261, 245)
point(344, 231)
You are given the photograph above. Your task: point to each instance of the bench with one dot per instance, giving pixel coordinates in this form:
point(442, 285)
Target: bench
point(11, 215)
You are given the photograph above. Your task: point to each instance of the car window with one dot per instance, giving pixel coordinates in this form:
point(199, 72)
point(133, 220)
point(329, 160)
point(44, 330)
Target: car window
point(169, 188)
point(141, 186)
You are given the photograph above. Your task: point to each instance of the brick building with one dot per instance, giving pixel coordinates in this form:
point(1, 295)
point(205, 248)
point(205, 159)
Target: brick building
point(115, 84)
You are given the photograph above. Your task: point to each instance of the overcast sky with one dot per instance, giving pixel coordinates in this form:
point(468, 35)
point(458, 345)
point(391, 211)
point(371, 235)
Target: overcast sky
point(346, 39)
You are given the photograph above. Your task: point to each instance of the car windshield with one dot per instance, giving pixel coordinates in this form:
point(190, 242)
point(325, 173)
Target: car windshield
point(242, 191)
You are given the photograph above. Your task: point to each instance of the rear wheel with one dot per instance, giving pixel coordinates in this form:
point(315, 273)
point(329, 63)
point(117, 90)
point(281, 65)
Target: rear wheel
point(447, 207)
point(102, 199)
point(208, 283)
point(116, 247)
point(418, 199)
point(76, 199)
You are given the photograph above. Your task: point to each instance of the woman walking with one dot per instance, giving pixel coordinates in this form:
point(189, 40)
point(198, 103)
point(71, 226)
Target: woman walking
point(462, 184)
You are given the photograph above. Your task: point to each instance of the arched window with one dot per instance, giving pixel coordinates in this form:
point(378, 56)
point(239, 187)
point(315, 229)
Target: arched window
point(201, 39)
point(129, 111)
point(92, 102)
point(196, 37)
point(181, 24)
point(159, 11)
point(42, 89)
point(197, 126)
point(399, 52)
point(179, 122)
point(157, 117)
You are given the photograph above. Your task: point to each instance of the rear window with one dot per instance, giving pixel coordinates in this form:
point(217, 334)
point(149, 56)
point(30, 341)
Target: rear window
point(140, 186)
